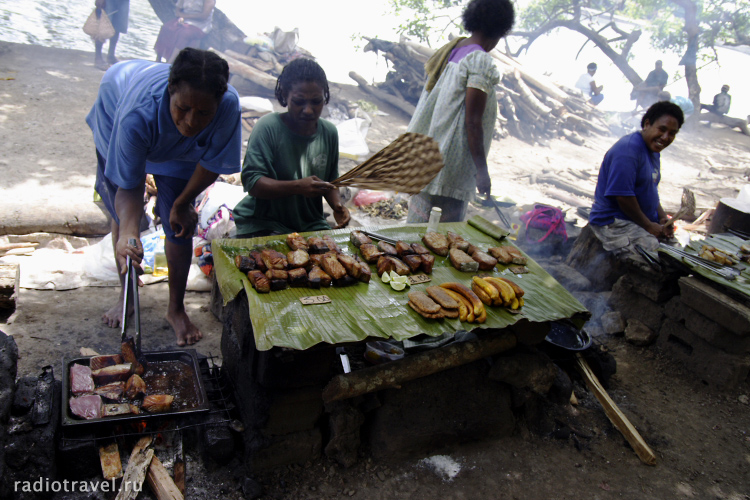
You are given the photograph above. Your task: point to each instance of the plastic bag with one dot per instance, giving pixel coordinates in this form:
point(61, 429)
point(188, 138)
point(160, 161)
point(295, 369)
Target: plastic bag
point(545, 218)
point(284, 41)
point(367, 197)
point(352, 134)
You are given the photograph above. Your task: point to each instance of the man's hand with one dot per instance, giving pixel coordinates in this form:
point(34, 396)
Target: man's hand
point(484, 183)
point(183, 219)
point(125, 250)
point(341, 215)
point(313, 186)
point(668, 230)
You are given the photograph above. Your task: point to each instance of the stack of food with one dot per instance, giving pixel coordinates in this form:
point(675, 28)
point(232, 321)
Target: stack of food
point(402, 258)
point(710, 252)
point(111, 385)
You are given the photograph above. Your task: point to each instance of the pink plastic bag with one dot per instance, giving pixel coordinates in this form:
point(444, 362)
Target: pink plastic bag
point(367, 197)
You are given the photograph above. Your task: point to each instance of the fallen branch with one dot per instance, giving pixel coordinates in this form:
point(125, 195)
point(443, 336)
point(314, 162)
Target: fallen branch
point(383, 96)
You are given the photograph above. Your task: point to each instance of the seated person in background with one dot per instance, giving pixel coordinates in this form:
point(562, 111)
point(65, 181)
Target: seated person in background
point(290, 160)
point(193, 19)
point(587, 85)
point(685, 104)
point(721, 104)
point(626, 207)
point(646, 93)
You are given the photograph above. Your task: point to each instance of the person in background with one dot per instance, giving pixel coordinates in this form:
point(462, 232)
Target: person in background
point(458, 109)
point(685, 104)
point(721, 103)
point(646, 93)
point(588, 87)
point(193, 20)
point(180, 123)
point(626, 207)
point(291, 158)
point(118, 12)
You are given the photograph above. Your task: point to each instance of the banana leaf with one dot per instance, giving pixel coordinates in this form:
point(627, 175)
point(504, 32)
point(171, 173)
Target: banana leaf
point(376, 310)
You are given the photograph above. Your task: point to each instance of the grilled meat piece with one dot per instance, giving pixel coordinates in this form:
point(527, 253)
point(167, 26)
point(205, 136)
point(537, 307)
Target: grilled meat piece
point(365, 272)
point(486, 262)
point(316, 244)
point(259, 281)
point(345, 280)
point(502, 255)
point(278, 278)
point(135, 387)
point(516, 256)
point(127, 349)
point(332, 266)
point(440, 296)
point(351, 265)
point(298, 278)
point(316, 259)
point(427, 262)
point(332, 246)
point(403, 248)
point(296, 242)
point(273, 259)
point(387, 263)
point(516, 269)
point(88, 407)
point(258, 258)
point(114, 373)
point(424, 305)
point(105, 360)
point(318, 278)
point(462, 261)
point(113, 391)
point(387, 248)
point(157, 403)
point(81, 380)
point(419, 249)
point(370, 253)
point(298, 258)
point(414, 261)
point(457, 241)
point(244, 263)
point(437, 242)
point(113, 410)
point(358, 238)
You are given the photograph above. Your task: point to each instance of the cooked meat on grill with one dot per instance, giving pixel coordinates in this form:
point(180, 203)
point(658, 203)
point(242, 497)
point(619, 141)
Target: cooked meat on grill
point(157, 403)
point(486, 262)
point(370, 253)
point(135, 387)
point(462, 261)
point(105, 360)
point(427, 262)
point(114, 373)
point(316, 244)
point(259, 281)
point(113, 410)
point(332, 266)
point(88, 407)
point(403, 248)
point(419, 249)
point(112, 392)
point(298, 258)
point(259, 264)
point(296, 242)
point(317, 278)
point(298, 277)
point(244, 263)
point(387, 263)
point(387, 248)
point(81, 380)
point(273, 259)
point(127, 349)
point(414, 261)
point(437, 242)
point(358, 238)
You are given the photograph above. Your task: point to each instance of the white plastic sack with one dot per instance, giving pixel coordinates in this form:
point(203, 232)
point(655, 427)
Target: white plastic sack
point(254, 103)
point(352, 134)
point(218, 194)
point(284, 41)
point(99, 262)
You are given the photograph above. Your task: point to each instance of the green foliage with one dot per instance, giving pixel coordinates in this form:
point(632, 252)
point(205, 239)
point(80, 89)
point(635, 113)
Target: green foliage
point(426, 18)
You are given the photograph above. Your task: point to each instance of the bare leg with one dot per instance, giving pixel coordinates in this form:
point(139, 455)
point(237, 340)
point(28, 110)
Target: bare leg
point(113, 316)
point(98, 59)
point(111, 59)
point(178, 260)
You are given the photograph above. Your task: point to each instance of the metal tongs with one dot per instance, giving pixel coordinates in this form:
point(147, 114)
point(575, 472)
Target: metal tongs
point(649, 258)
point(131, 282)
point(499, 212)
point(726, 272)
point(379, 237)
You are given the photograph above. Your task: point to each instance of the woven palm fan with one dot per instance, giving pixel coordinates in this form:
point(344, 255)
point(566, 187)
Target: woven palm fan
point(406, 165)
point(687, 206)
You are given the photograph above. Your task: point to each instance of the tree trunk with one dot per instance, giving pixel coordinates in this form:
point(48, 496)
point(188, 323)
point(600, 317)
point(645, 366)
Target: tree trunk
point(689, 60)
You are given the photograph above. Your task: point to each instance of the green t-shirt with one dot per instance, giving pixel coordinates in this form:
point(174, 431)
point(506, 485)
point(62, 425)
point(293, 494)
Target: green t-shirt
point(276, 152)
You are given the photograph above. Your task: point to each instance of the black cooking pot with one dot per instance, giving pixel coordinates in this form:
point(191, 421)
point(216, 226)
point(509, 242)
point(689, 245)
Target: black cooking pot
point(566, 336)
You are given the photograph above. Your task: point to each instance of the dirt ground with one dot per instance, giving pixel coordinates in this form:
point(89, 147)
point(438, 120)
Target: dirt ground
point(700, 435)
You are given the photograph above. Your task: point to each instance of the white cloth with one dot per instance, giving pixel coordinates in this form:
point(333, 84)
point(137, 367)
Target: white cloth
point(584, 83)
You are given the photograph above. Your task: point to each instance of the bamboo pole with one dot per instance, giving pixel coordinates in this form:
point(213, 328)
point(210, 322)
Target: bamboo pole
point(616, 416)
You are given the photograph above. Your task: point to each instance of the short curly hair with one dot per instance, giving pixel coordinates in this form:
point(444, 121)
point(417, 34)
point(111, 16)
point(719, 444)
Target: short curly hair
point(492, 18)
point(660, 109)
point(201, 70)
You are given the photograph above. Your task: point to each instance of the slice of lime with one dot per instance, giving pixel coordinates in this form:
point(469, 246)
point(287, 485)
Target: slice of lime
point(385, 278)
point(400, 279)
point(394, 275)
point(398, 286)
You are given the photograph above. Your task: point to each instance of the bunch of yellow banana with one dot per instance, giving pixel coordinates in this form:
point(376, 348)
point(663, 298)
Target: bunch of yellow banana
point(497, 291)
point(470, 307)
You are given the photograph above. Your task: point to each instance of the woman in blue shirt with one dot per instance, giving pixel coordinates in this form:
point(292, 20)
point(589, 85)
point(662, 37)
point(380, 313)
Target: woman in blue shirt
point(180, 123)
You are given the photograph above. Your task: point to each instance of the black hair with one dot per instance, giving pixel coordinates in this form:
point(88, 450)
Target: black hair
point(297, 71)
point(660, 109)
point(492, 18)
point(591, 66)
point(201, 70)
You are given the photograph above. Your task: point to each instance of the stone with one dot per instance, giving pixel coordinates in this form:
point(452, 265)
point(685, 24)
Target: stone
point(716, 305)
point(612, 323)
point(533, 371)
point(705, 328)
point(294, 410)
point(288, 449)
point(24, 397)
point(634, 305)
point(219, 442)
point(345, 422)
point(432, 413)
point(561, 389)
point(714, 366)
point(8, 371)
point(590, 259)
point(251, 489)
point(568, 277)
point(639, 334)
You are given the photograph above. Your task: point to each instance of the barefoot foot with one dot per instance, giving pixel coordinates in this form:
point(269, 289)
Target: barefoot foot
point(113, 316)
point(187, 333)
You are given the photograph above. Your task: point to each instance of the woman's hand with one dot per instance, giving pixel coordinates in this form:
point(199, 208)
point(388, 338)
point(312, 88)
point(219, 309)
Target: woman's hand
point(313, 186)
point(342, 216)
point(183, 219)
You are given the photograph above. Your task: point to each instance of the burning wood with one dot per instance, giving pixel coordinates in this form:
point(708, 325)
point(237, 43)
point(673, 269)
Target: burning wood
point(135, 472)
point(161, 483)
point(109, 457)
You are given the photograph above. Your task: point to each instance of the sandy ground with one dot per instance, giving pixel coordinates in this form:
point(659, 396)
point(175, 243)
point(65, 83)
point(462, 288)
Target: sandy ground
point(700, 435)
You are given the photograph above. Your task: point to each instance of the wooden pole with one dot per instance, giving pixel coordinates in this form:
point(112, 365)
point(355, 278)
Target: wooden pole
point(161, 483)
point(394, 373)
point(616, 416)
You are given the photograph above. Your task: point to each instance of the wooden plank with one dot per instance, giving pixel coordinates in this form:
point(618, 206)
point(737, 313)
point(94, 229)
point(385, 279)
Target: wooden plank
point(614, 414)
point(135, 472)
point(161, 483)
